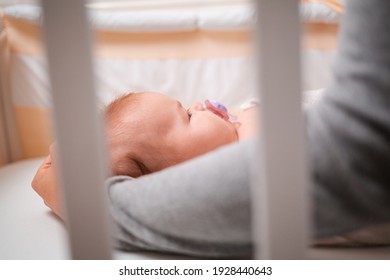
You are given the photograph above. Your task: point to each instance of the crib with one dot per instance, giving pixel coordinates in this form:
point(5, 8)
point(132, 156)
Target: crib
point(190, 52)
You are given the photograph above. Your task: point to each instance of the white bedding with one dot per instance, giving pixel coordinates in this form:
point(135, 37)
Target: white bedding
point(30, 231)
point(173, 20)
point(186, 80)
point(210, 74)
point(227, 79)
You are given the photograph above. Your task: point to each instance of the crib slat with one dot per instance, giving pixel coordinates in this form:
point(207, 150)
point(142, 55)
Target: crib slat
point(77, 127)
point(280, 204)
point(9, 142)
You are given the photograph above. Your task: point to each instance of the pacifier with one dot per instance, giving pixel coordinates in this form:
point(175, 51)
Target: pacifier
point(219, 109)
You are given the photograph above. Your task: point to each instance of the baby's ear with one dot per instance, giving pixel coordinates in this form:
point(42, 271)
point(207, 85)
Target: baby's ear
point(126, 166)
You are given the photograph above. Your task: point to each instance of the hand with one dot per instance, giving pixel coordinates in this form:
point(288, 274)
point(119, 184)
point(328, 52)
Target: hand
point(45, 183)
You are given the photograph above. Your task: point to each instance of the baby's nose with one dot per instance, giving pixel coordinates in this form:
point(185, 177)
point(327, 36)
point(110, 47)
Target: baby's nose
point(197, 106)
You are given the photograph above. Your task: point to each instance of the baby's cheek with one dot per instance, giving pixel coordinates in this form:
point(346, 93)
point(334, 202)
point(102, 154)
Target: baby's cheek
point(212, 132)
point(221, 137)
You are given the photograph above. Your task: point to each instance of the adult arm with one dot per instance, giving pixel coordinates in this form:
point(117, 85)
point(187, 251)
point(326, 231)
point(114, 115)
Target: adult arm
point(199, 207)
point(349, 131)
point(348, 137)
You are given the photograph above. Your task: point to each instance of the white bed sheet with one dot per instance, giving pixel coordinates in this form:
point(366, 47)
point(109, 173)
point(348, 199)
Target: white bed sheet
point(30, 231)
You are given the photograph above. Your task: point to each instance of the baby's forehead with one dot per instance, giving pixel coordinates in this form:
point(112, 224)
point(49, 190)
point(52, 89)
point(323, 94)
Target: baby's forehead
point(157, 103)
point(154, 96)
point(150, 109)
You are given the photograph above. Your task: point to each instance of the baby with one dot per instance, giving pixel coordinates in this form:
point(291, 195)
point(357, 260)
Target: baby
point(147, 132)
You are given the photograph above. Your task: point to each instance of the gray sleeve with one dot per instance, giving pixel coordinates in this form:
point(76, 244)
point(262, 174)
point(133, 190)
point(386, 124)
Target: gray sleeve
point(199, 207)
point(349, 131)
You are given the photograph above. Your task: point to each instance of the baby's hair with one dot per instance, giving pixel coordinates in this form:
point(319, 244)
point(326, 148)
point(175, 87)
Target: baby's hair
point(115, 107)
point(114, 122)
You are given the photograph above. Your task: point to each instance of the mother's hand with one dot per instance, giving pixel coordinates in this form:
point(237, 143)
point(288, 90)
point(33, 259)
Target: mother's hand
point(45, 183)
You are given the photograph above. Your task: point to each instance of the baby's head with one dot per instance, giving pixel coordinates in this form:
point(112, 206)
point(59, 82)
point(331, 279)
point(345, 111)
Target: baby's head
point(147, 132)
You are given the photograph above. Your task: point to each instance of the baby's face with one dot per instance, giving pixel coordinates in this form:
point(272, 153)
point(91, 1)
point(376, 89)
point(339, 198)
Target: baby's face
point(169, 134)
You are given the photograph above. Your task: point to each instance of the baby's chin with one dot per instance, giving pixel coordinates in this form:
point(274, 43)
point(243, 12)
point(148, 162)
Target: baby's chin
point(230, 138)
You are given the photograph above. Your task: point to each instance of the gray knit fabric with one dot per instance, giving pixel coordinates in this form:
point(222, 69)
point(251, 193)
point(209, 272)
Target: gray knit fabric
point(201, 207)
point(198, 208)
point(349, 132)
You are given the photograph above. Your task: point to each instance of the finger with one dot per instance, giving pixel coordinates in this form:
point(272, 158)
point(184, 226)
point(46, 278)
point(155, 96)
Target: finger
point(46, 162)
point(40, 174)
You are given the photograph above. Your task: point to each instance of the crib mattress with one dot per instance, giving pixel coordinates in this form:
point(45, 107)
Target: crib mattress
point(31, 231)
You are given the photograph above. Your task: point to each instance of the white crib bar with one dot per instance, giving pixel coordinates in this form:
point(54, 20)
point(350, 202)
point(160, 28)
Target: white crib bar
point(280, 201)
point(78, 131)
point(9, 142)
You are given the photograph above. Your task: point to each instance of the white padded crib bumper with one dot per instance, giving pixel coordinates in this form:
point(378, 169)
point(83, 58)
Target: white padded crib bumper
point(188, 55)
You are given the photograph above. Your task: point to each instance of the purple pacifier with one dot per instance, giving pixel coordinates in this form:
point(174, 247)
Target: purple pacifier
point(219, 109)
